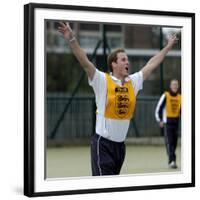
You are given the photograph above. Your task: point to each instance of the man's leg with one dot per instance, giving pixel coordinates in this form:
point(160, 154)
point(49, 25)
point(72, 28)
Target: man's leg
point(121, 151)
point(102, 160)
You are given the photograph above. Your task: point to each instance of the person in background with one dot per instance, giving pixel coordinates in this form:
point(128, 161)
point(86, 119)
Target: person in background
point(167, 114)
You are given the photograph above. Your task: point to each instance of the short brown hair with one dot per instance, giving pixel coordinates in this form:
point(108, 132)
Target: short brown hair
point(174, 79)
point(113, 57)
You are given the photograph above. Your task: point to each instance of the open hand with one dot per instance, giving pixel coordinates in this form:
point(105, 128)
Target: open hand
point(173, 39)
point(66, 30)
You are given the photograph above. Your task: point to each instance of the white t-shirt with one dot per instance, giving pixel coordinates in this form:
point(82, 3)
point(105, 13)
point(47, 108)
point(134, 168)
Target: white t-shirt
point(112, 129)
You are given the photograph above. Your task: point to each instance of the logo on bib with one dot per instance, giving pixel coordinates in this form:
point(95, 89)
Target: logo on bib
point(174, 105)
point(122, 101)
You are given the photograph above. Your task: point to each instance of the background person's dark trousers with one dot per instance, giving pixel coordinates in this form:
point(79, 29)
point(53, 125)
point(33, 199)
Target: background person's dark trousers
point(171, 138)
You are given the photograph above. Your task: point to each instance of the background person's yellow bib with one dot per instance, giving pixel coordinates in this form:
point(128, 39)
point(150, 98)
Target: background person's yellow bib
point(121, 100)
point(173, 105)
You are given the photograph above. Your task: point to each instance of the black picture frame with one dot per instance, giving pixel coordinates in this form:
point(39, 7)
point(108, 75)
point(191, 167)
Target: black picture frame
point(30, 91)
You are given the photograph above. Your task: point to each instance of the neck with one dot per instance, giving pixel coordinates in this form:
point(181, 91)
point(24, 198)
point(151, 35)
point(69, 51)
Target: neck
point(122, 78)
point(173, 93)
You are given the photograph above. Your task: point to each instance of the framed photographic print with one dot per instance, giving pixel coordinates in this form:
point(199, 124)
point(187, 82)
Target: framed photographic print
point(84, 70)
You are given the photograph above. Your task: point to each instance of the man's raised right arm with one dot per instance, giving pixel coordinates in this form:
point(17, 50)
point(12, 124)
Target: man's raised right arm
point(79, 53)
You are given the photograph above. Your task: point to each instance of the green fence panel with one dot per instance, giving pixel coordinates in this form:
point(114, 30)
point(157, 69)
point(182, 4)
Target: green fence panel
point(79, 120)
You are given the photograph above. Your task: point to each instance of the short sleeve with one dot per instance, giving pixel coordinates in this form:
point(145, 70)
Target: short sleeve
point(137, 79)
point(98, 83)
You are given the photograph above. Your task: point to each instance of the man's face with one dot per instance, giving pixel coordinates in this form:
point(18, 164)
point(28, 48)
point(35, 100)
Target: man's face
point(121, 66)
point(174, 86)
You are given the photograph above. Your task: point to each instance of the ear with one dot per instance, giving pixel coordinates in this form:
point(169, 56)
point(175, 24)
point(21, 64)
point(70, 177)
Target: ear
point(114, 64)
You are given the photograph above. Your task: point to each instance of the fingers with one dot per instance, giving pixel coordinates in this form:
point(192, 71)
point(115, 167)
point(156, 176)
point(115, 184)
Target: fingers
point(175, 36)
point(173, 39)
point(172, 36)
point(68, 26)
point(62, 24)
point(61, 30)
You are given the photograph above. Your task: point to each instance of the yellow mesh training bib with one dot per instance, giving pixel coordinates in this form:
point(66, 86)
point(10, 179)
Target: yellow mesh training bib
point(120, 100)
point(173, 105)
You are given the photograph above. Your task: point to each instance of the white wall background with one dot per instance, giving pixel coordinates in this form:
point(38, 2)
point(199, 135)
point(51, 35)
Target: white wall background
point(11, 100)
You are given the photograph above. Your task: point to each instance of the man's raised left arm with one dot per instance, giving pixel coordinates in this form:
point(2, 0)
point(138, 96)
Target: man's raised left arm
point(154, 62)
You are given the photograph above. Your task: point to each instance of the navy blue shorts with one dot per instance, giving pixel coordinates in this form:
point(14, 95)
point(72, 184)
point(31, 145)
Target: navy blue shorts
point(107, 156)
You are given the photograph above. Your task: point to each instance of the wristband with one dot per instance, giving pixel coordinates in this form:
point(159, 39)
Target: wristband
point(72, 39)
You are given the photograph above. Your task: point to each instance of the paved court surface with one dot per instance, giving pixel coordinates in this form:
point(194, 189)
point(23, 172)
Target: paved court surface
point(75, 161)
